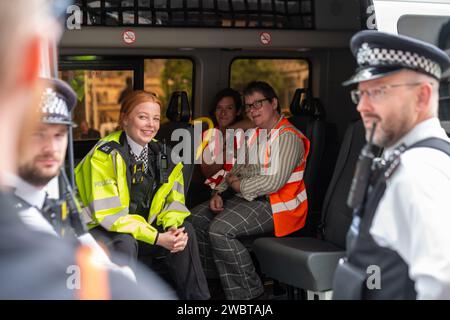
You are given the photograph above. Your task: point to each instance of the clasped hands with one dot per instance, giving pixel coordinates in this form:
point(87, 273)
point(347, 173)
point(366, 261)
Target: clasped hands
point(174, 239)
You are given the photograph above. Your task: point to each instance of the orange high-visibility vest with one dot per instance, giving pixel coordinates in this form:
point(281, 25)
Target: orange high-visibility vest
point(94, 277)
point(289, 204)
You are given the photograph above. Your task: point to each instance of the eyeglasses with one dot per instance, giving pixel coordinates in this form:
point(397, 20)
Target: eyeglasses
point(255, 105)
point(376, 94)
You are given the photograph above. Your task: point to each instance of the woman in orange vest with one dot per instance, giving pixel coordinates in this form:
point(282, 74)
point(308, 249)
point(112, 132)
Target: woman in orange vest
point(263, 193)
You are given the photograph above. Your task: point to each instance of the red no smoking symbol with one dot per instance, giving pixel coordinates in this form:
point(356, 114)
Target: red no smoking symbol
point(129, 36)
point(265, 38)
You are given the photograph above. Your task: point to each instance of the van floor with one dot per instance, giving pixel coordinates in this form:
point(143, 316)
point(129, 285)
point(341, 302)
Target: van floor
point(272, 290)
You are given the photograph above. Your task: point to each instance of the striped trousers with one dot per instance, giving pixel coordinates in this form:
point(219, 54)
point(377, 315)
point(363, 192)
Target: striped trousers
point(221, 252)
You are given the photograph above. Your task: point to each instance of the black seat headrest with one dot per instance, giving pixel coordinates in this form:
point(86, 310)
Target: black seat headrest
point(185, 113)
point(302, 103)
point(178, 109)
point(319, 110)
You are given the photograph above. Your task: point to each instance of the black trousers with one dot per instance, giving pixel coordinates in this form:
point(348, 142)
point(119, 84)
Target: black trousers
point(184, 267)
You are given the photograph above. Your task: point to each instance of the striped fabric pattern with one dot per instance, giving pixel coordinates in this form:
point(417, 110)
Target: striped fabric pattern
point(253, 184)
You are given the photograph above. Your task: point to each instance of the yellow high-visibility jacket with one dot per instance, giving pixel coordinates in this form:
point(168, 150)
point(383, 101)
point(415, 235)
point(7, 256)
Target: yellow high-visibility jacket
point(101, 178)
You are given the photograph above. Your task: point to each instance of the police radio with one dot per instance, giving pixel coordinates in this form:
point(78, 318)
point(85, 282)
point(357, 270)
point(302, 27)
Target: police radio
point(162, 164)
point(361, 178)
point(73, 206)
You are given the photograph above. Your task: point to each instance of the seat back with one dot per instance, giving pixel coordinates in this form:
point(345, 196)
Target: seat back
point(81, 148)
point(178, 109)
point(179, 114)
point(307, 116)
point(336, 215)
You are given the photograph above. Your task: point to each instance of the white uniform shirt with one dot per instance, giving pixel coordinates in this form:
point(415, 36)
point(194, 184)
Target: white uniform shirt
point(35, 197)
point(34, 219)
point(135, 147)
point(413, 216)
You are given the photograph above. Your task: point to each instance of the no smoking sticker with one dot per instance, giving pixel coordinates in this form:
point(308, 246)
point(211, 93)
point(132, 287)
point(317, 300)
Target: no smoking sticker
point(129, 36)
point(265, 38)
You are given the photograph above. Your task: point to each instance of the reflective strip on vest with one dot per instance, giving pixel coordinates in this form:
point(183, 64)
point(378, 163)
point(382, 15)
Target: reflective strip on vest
point(109, 220)
point(104, 204)
point(178, 187)
point(290, 205)
point(175, 206)
point(296, 176)
point(86, 215)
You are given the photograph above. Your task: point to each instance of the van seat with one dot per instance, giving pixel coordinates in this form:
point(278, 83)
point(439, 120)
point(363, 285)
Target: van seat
point(309, 263)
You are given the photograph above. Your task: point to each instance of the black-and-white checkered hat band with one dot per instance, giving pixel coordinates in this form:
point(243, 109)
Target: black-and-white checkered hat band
point(381, 54)
point(368, 56)
point(53, 107)
point(57, 100)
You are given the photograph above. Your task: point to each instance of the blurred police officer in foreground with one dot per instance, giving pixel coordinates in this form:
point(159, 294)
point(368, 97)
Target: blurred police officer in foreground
point(398, 243)
point(35, 265)
point(41, 159)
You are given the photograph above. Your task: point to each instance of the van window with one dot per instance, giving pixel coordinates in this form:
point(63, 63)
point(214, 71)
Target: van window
point(164, 76)
point(284, 75)
point(101, 91)
point(435, 30)
point(99, 95)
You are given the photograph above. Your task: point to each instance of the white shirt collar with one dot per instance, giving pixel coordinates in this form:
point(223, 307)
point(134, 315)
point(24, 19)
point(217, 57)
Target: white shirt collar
point(425, 129)
point(32, 195)
point(135, 147)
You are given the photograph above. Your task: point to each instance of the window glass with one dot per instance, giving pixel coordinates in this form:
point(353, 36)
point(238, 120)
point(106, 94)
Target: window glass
point(435, 30)
point(99, 93)
point(164, 76)
point(284, 75)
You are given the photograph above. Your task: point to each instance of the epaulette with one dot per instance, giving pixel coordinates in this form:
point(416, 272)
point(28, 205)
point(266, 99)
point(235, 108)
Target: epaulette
point(394, 161)
point(109, 147)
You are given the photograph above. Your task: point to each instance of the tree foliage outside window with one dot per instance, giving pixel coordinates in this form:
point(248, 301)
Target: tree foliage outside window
point(284, 75)
point(164, 76)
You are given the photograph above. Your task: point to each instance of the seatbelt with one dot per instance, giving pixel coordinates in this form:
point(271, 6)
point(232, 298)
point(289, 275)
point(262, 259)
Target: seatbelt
point(433, 143)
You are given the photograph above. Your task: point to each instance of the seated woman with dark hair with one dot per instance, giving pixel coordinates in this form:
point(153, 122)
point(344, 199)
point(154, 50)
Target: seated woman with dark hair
point(255, 197)
point(226, 112)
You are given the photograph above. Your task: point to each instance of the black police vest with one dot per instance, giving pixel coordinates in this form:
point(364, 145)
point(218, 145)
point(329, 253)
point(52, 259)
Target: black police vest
point(53, 213)
point(142, 185)
point(351, 279)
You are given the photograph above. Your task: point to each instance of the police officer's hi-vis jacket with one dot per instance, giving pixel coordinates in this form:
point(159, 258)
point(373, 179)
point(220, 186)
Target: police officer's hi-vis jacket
point(103, 179)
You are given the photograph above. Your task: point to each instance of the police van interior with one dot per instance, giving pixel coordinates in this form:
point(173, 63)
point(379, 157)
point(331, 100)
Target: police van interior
point(186, 51)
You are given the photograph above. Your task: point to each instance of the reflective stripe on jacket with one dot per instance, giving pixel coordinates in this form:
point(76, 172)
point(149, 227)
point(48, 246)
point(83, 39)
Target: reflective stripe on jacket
point(101, 178)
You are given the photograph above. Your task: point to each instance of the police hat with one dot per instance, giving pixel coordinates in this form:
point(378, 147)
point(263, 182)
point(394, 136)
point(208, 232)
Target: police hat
point(57, 100)
point(380, 54)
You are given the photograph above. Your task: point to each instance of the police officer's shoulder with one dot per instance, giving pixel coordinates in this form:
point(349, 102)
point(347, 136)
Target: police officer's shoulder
point(426, 162)
point(108, 147)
